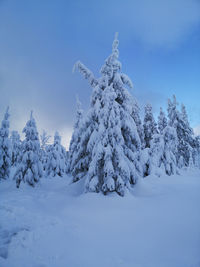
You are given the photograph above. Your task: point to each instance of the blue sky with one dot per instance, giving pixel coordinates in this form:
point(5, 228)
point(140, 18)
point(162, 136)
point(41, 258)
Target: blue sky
point(41, 40)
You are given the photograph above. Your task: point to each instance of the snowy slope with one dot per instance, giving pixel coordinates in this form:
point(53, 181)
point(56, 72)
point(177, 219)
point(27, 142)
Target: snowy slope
point(54, 224)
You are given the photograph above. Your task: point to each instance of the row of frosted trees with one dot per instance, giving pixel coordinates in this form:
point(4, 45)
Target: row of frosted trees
point(30, 159)
point(111, 148)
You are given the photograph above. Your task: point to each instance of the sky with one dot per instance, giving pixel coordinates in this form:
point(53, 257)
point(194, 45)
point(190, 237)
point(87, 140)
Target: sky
point(41, 40)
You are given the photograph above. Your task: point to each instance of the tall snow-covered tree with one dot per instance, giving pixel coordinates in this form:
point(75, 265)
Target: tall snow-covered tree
point(16, 148)
point(149, 125)
point(30, 169)
point(56, 161)
point(179, 121)
point(109, 148)
point(76, 137)
point(5, 147)
point(162, 121)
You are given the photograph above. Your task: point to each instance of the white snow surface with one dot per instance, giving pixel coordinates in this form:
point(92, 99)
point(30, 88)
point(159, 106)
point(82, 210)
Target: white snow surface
point(56, 224)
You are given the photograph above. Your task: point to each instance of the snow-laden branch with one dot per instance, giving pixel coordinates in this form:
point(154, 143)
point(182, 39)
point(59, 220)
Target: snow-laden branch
point(126, 80)
point(87, 74)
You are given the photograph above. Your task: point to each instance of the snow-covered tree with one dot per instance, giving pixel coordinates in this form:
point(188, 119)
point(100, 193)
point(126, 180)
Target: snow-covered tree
point(170, 140)
point(108, 151)
point(76, 137)
point(56, 161)
point(44, 139)
point(149, 125)
point(179, 121)
point(156, 161)
point(162, 121)
point(136, 116)
point(5, 147)
point(30, 169)
point(196, 151)
point(16, 148)
point(162, 153)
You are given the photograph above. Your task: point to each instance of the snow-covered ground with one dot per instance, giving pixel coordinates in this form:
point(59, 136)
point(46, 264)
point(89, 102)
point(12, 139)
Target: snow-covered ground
point(56, 225)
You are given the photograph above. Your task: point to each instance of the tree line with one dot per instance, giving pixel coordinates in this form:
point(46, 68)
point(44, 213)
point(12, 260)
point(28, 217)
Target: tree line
point(111, 146)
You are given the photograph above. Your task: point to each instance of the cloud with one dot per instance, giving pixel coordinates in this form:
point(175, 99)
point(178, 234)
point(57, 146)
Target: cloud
point(155, 22)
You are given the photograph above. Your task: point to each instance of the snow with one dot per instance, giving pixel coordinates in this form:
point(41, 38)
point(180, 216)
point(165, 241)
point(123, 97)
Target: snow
point(56, 224)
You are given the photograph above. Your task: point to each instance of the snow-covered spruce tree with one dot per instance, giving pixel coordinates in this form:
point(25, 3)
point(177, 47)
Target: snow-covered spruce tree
point(179, 121)
point(44, 140)
point(136, 116)
point(109, 148)
point(16, 148)
point(156, 155)
point(170, 150)
point(149, 125)
point(30, 169)
point(5, 147)
point(162, 153)
point(74, 143)
point(196, 152)
point(162, 121)
point(56, 161)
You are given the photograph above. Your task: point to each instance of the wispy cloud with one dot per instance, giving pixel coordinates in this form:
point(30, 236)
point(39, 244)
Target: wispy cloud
point(158, 22)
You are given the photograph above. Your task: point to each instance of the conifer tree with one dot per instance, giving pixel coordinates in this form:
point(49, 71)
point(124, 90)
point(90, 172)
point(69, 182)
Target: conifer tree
point(30, 169)
point(5, 147)
point(162, 121)
point(16, 148)
point(149, 125)
point(74, 143)
point(162, 153)
point(44, 138)
point(56, 162)
point(136, 116)
point(109, 148)
point(179, 121)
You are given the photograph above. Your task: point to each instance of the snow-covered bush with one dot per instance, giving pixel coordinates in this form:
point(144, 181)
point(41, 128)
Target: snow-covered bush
point(109, 148)
point(5, 147)
point(30, 169)
point(56, 158)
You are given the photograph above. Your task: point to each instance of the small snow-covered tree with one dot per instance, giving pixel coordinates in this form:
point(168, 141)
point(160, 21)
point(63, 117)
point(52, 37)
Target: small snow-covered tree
point(5, 147)
point(30, 169)
point(76, 137)
point(196, 152)
point(44, 138)
point(56, 161)
point(162, 121)
point(162, 153)
point(170, 150)
point(108, 151)
point(149, 125)
point(16, 148)
point(179, 121)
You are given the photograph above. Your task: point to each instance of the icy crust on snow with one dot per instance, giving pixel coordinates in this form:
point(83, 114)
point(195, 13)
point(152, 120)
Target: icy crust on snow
point(56, 224)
